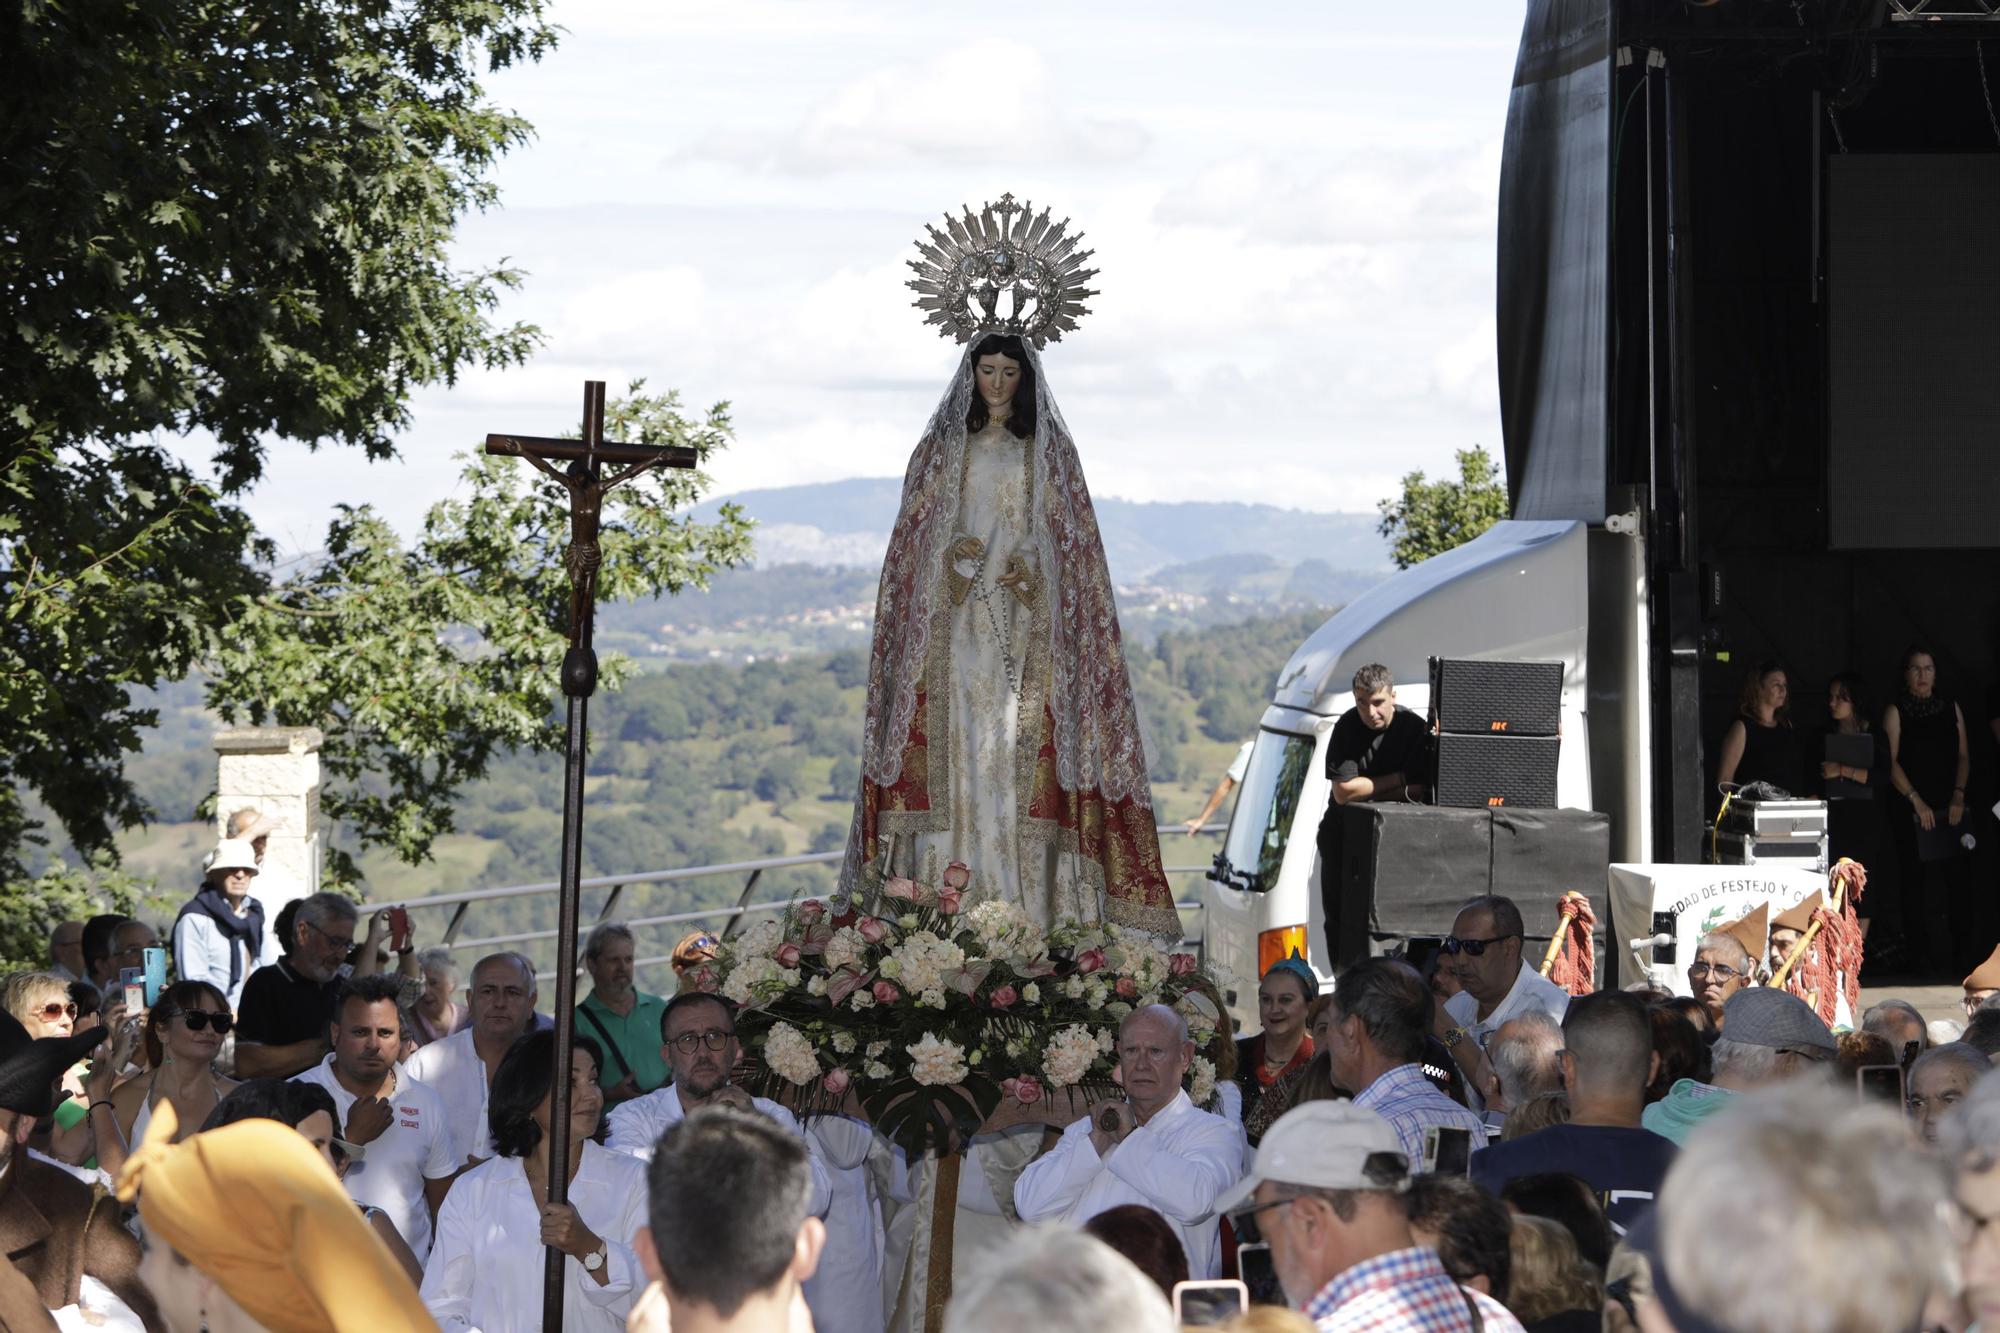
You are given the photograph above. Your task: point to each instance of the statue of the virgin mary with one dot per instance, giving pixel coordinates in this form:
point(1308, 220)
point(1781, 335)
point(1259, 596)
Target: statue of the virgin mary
point(1000, 725)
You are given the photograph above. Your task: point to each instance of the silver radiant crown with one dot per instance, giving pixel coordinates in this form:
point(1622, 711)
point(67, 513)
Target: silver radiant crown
point(1004, 269)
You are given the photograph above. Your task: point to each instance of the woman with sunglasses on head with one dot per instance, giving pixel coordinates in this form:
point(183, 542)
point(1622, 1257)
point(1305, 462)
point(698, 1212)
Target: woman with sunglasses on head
point(183, 1037)
point(42, 1003)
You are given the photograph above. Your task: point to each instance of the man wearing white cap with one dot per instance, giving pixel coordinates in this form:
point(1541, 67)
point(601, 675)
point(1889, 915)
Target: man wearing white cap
point(220, 935)
point(1326, 1191)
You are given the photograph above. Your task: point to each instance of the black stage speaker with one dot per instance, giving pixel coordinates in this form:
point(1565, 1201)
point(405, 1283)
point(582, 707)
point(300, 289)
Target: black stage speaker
point(1496, 771)
point(1406, 869)
point(1497, 731)
point(1476, 696)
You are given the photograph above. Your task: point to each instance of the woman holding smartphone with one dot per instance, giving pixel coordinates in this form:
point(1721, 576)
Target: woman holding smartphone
point(183, 1037)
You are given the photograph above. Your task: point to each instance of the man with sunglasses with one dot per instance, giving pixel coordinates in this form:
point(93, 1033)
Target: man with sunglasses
point(287, 1006)
point(698, 1032)
point(1328, 1193)
point(1495, 985)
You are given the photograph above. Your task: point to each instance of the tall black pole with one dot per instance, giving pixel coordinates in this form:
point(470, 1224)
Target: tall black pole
point(579, 681)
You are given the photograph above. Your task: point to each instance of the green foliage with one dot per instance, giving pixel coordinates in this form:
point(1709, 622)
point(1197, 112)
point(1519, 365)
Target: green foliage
point(1431, 517)
point(421, 663)
point(218, 218)
point(28, 912)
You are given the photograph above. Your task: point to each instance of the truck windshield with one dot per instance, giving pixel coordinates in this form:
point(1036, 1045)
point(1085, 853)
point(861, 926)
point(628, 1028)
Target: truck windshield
point(1264, 808)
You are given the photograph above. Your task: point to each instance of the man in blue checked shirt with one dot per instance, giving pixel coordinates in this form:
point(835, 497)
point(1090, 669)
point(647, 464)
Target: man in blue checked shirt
point(1327, 1193)
point(1381, 1014)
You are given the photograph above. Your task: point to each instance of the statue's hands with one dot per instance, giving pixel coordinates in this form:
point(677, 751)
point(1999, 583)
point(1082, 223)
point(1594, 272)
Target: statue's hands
point(1020, 580)
point(963, 566)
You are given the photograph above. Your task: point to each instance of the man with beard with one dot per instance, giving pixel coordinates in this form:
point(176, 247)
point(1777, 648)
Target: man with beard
point(53, 1231)
point(699, 1042)
point(409, 1163)
point(501, 998)
point(282, 1023)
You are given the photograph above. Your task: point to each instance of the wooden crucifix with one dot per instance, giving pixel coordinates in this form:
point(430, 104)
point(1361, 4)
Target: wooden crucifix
point(585, 480)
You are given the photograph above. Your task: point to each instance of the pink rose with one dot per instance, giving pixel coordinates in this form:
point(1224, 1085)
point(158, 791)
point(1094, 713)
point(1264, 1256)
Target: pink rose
point(835, 1082)
point(900, 887)
point(949, 901)
point(788, 955)
point(1090, 960)
point(1005, 997)
point(1127, 988)
point(957, 875)
point(886, 993)
point(873, 929)
point(811, 910)
point(1181, 964)
point(843, 984)
point(1027, 1089)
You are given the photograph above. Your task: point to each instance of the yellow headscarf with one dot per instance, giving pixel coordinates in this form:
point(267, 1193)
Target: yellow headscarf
point(255, 1208)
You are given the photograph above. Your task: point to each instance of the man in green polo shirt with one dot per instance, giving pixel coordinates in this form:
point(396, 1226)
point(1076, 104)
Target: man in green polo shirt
point(623, 1018)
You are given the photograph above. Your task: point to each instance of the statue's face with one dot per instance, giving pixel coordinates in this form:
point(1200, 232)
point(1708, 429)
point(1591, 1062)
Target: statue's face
point(997, 377)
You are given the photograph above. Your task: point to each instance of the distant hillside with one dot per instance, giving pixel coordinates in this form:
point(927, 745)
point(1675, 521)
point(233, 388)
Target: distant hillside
point(848, 522)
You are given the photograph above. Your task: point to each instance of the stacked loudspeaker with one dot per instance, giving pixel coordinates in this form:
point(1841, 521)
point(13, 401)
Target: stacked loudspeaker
point(1498, 731)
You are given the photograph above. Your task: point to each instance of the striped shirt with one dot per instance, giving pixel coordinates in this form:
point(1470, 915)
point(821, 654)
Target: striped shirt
point(1409, 1101)
point(1404, 1291)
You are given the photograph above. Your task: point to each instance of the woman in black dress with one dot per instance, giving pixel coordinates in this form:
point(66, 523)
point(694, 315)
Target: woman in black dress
point(1855, 793)
point(1760, 745)
point(1929, 760)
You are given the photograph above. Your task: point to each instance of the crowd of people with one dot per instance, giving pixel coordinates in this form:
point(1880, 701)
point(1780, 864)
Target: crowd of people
point(313, 1126)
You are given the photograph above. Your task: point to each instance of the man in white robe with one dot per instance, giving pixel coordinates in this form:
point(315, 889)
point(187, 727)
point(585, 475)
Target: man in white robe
point(1155, 1148)
point(699, 1039)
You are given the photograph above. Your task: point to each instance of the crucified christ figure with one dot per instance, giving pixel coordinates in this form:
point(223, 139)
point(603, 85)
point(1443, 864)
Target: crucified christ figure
point(583, 555)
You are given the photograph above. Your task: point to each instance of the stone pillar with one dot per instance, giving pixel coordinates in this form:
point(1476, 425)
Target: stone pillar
point(275, 771)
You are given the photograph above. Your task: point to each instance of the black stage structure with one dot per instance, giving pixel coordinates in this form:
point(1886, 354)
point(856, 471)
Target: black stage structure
point(1750, 289)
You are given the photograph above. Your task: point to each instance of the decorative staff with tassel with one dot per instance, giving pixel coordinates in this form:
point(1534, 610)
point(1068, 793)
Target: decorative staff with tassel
point(1570, 961)
point(1828, 956)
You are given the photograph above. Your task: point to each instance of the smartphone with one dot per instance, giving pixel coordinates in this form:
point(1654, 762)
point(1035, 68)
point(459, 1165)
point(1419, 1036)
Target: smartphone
point(155, 968)
point(399, 929)
point(132, 982)
point(1666, 923)
point(1880, 1083)
point(1207, 1303)
point(1253, 1265)
point(1447, 1151)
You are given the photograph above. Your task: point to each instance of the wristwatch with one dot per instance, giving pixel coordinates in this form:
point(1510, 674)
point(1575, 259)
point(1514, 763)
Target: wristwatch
point(1453, 1036)
point(595, 1259)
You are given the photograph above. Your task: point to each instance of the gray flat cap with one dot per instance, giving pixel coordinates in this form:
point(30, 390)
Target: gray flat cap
point(1761, 1016)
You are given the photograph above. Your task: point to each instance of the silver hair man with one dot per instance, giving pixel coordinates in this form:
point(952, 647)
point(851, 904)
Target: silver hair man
point(1524, 1054)
point(1805, 1182)
point(1055, 1277)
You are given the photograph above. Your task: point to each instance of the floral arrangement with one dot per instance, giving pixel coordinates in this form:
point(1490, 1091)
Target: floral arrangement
point(934, 1008)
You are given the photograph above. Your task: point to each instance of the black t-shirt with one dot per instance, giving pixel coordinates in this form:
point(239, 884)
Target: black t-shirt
point(280, 1007)
point(1356, 752)
point(1624, 1166)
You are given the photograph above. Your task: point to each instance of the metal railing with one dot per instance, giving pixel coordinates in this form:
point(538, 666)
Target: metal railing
point(461, 903)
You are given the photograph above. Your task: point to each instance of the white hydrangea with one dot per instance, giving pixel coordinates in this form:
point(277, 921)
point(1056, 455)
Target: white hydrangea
point(1070, 1054)
point(845, 949)
point(752, 971)
point(1004, 930)
point(790, 1055)
point(923, 961)
point(761, 938)
point(934, 1061)
point(1201, 1081)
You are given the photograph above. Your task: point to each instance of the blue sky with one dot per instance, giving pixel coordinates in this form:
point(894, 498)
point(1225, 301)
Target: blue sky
point(1292, 208)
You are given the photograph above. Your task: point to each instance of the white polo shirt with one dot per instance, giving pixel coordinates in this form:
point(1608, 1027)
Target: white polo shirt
point(417, 1146)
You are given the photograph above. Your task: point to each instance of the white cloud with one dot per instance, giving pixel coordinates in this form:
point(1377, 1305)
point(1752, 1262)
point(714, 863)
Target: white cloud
point(988, 102)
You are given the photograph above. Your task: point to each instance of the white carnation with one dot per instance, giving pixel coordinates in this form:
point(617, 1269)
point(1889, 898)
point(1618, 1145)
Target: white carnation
point(843, 1042)
point(934, 1061)
point(878, 1071)
point(931, 999)
point(1031, 993)
point(876, 1049)
point(1069, 1056)
point(790, 1055)
point(861, 999)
